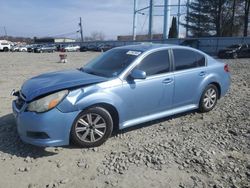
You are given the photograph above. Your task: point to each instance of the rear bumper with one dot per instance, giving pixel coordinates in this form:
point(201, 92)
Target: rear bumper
point(225, 85)
point(54, 124)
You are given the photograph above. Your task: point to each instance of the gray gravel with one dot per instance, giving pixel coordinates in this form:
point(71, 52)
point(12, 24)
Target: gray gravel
point(187, 150)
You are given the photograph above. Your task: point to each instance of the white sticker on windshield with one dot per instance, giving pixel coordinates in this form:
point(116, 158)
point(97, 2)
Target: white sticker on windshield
point(136, 53)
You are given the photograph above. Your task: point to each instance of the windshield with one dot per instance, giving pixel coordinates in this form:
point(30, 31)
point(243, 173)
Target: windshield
point(111, 63)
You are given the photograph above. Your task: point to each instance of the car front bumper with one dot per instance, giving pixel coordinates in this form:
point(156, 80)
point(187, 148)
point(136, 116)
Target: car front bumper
point(51, 128)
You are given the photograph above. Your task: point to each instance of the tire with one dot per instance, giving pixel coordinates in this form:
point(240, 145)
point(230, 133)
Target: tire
point(209, 98)
point(235, 55)
point(5, 49)
point(84, 130)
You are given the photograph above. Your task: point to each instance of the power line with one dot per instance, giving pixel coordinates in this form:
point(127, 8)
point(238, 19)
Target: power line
point(5, 31)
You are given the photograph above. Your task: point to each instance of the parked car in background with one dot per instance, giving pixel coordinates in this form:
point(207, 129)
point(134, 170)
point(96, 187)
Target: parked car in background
point(50, 48)
point(92, 47)
point(60, 47)
point(32, 47)
point(235, 51)
point(5, 46)
point(83, 48)
point(104, 47)
point(29, 48)
point(19, 49)
point(71, 48)
point(22, 49)
point(15, 49)
point(99, 48)
point(122, 87)
point(194, 43)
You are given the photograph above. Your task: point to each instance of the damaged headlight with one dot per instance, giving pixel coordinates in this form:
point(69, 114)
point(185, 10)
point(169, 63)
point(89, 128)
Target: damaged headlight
point(48, 102)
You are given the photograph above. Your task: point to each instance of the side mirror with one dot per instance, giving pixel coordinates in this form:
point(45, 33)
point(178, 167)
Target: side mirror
point(138, 74)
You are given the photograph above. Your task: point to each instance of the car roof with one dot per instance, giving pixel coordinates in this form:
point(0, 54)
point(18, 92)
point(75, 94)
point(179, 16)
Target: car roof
point(148, 46)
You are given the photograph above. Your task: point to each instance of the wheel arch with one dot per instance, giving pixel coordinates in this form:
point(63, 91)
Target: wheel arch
point(210, 79)
point(105, 107)
point(218, 87)
point(111, 109)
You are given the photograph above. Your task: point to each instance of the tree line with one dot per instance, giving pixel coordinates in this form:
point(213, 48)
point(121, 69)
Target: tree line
point(219, 18)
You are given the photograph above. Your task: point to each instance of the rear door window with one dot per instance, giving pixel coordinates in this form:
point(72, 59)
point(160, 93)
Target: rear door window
point(187, 59)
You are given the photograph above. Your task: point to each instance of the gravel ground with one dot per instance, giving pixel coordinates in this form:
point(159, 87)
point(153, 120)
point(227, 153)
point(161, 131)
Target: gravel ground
point(187, 150)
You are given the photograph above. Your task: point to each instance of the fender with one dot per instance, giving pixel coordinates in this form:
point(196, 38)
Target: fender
point(210, 78)
point(82, 98)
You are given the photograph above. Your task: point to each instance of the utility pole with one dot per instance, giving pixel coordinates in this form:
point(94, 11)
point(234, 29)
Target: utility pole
point(187, 21)
point(178, 19)
point(150, 24)
point(166, 19)
point(80, 25)
point(135, 19)
point(5, 32)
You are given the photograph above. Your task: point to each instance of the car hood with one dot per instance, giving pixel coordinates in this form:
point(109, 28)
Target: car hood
point(50, 82)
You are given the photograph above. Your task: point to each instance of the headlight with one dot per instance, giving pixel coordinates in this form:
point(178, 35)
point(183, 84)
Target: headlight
point(47, 103)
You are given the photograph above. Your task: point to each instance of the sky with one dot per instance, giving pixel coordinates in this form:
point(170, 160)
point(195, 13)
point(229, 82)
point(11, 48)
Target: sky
point(54, 18)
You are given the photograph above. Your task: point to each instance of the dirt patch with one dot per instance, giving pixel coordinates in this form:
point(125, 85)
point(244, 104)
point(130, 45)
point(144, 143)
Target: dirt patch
point(188, 150)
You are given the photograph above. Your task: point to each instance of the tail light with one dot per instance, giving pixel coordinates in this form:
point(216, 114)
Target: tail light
point(226, 68)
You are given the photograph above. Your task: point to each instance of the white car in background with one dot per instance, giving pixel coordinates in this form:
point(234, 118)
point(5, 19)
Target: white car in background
point(71, 48)
point(19, 49)
point(22, 49)
point(4, 46)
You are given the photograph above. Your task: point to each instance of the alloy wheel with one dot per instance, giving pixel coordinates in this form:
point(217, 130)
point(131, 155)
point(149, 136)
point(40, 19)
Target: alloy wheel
point(90, 127)
point(210, 98)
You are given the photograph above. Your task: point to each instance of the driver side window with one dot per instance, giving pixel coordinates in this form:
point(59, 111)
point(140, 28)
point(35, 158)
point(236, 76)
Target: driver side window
point(155, 63)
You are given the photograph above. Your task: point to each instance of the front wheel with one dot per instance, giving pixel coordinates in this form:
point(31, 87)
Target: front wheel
point(209, 98)
point(92, 127)
point(5, 49)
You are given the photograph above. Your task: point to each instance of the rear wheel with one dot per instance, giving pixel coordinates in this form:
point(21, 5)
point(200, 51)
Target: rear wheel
point(209, 98)
point(92, 127)
point(235, 56)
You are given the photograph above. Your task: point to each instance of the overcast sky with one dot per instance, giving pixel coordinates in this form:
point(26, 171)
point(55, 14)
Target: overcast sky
point(41, 18)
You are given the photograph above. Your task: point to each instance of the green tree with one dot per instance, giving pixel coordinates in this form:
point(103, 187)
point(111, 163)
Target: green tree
point(199, 19)
point(173, 29)
point(214, 17)
point(246, 16)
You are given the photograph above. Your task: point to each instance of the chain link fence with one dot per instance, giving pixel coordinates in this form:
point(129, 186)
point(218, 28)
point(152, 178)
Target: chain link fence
point(210, 45)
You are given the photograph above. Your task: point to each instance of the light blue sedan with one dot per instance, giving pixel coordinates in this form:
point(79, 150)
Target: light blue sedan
point(122, 87)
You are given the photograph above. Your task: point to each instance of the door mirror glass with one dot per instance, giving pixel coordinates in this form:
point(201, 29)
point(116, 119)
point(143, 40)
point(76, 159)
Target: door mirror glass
point(138, 74)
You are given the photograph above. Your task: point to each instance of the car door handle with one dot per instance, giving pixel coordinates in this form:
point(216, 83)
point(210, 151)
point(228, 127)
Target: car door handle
point(167, 80)
point(202, 73)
